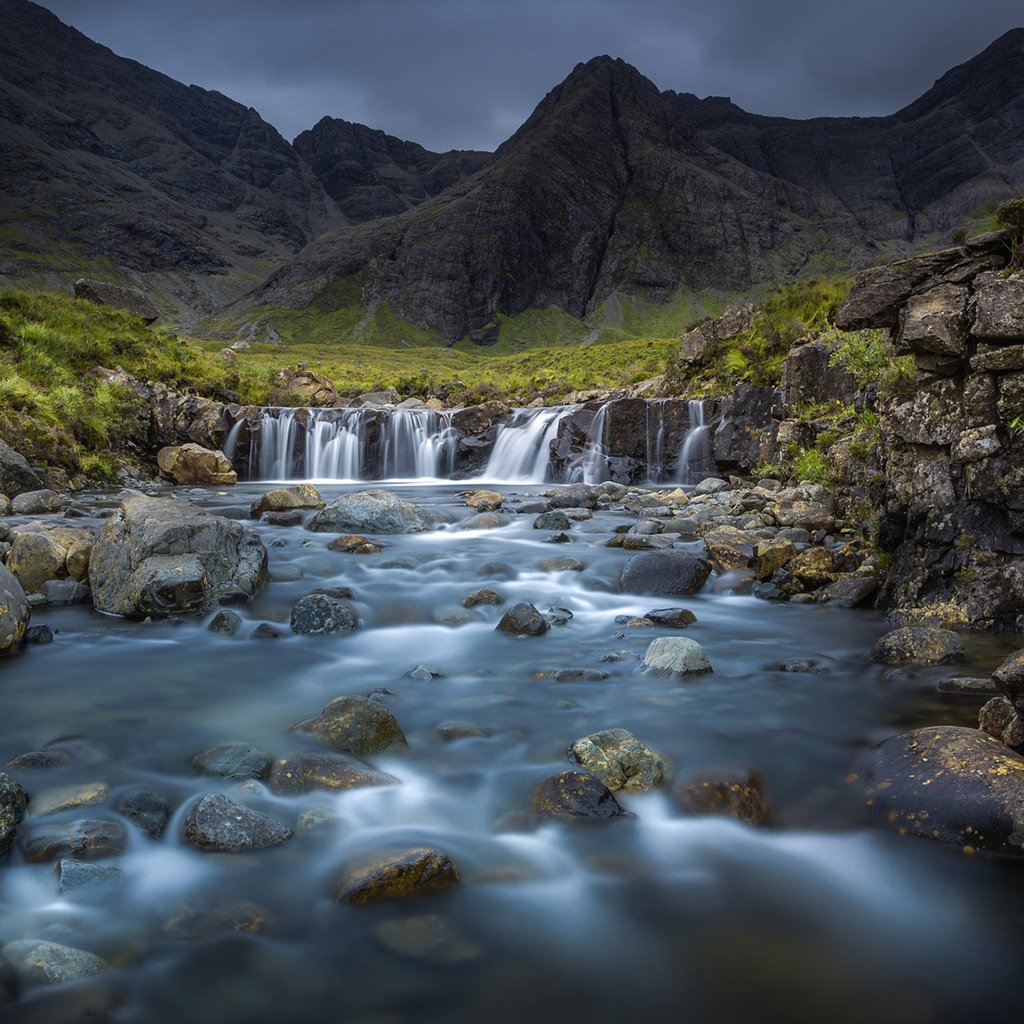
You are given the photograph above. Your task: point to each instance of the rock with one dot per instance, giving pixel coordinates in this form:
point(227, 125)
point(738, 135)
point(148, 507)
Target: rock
point(429, 938)
point(483, 521)
point(193, 464)
point(37, 760)
point(677, 654)
point(573, 496)
point(356, 725)
point(78, 840)
point(851, 592)
point(50, 963)
point(1009, 677)
point(147, 811)
point(78, 878)
point(304, 388)
point(619, 760)
point(225, 622)
point(303, 772)
point(729, 548)
point(377, 399)
point(574, 796)
point(319, 614)
point(16, 475)
point(665, 573)
point(735, 793)
point(52, 801)
point(287, 499)
point(119, 296)
point(918, 645)
point(484, 596)
point(810, 378)
point(36, 503)
point(355, 544)
point(15, 613)
point(374, 512)
point(485, 501)
point(999, 306)
point(38, 635)
point(451, 731)
point(407, 874)
point(218, 824)
point(565, 564)
point(1000, 720)
point(523, 619)
point(934, 322)
point(35, 558)
point(671, 618)
point(972, 685)
point(12, 811)
point(423, 673)
point(265, 631)
point(159, 556)
point(976, 444)
point(553, 520)
point(234, 761)
point(813, 567)
point(953, 784)
point(65, 592)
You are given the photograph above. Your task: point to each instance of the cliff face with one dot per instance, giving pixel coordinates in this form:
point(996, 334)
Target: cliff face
point(918, 173)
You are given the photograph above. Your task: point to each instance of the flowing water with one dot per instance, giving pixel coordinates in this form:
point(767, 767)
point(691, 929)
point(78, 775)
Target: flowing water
point(818, 917)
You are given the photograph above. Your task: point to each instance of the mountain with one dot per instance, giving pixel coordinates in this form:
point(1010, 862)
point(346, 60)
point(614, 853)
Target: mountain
point(370, 174)
point(921, 171)
point(606, 188)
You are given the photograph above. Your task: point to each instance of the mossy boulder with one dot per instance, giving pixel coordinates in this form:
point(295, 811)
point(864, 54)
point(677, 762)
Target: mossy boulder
point(730, 792)
point(356, 725)
point(402, 875)
point(575, 796)
point(12, 811)
point(619, 760)
point(15, 613)
point(918, 645)
point(217, 824)
point(287, 499)
point(304, 771)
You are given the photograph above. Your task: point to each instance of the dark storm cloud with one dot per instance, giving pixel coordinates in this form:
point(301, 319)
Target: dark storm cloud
point(466, 73)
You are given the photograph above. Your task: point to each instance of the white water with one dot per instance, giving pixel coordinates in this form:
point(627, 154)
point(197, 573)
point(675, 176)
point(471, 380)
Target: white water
point(522, 449)
point(696, 444)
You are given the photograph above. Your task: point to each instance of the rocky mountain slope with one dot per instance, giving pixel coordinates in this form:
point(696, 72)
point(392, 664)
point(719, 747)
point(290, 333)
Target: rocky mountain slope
point(918, 173)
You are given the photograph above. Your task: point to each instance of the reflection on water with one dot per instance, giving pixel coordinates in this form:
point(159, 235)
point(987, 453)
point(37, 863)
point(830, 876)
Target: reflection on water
point(662, 918)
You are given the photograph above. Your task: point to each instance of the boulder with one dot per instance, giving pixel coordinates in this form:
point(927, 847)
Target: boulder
point(850, 592)
point(729, 548)
point(619, 760)
point(553, 520)
point(65, 592)
point(15, 613)
point(376, 399)
point(147, 811)
point(484, 501)
point(1009, 677)
point(732, 792)
point(77, 878)
point(813, 567)
point(12, 811)
point(671, 618)
point(304, 388)
point(374, 512)
point(234, 761)
point(918, 645)
point(483, 596)
point(772, 555)
point(193, 464)
point(320, 614)
point(67, 798)
point(523, 619)
point(810, 378)
point(118, 296)
point(36, 503)
point(16, 475)
point(218, 824)
point(403, 875)
point(677, 654)
point(953, 784)
point(999, 718)
point(160, 556)
point(575, 796)
point(35, 558)
point(934, 322)
point(302, 772)
point(225, 622)
point(665, 573)
point(50, 963)
point(287, 499)
point(79, 840)
point(999, 306)
point(356, 725)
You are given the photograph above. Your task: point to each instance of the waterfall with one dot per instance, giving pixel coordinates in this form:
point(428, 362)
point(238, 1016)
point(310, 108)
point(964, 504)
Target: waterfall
point(418, 443)
point(522, 448)
point(334, 448)
point(695, 458)
point(594, 463)
point(656, 471)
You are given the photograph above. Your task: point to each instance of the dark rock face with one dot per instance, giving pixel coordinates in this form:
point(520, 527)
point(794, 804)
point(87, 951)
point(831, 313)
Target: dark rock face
point(118, 296)
point(370, 174)
point(571, 796)
point(12, 810)
point(956, 785)
point(523, 619)
point(218, 824)
point(16, 475)
point(665, 573)
point(408, 874)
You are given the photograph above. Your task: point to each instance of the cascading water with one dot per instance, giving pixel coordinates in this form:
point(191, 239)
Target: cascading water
point(594, 464)
point(522, 448)
point(696, 453)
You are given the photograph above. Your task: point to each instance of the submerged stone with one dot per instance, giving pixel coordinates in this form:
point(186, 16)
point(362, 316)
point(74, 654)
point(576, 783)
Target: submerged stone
point(218, 824)
point(918, 645)
point(299, 773)
point(407, 874)
point(575, 796)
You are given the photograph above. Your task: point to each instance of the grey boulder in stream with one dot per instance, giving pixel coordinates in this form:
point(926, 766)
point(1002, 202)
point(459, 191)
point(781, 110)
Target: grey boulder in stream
point(161, 556)
point(374, 512)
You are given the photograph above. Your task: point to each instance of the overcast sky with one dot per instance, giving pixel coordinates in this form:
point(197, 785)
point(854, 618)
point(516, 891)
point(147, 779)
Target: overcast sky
point(467, 73)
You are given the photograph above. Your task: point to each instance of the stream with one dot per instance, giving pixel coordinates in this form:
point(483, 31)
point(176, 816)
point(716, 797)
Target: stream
point(818, 916)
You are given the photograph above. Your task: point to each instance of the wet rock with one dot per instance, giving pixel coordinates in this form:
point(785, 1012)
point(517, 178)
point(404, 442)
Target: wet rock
point(734, 793)
point(483, 596)
point(225, 622)
point(483, 521)
point(282, 518)
point(265, 631)
point(554, 520)
point(710, 485)
point(619, 760)
point(813, 567)
point(35, 558)
point(800, 666)
point(356, 725)
point(952, 784)
point(851, 592)
point(193, 464)
point(50, 963)
point(1000, 720)
point(772, 555)
point(634, 542)
point(287, 499)
point(969, 685)
point(65, 592)
point(729, 548)
point(36, 760)
point(374, 512)
point(451, 731)
point(429, 938)
point(66, 798)
point(999, 306)
point(575, 796)
point(355, 544)
point(523, 619)
point(35, 503)
point(318, 615)
point(218, 824)
point(1009, 677)
point(38, 635)
point(566, 564)
point(234, 761)
point(918, 645)
point(302, 772)
point(578, 675)
point(160, 556)
point(454, 615)
point(16, 475)
point(573, 496)
point(12, 810)
point(665, 573)
point(403, 875)
point(147, 811)
point(199, 921)
point(671, 618)
point(78, 840)
point(485, 501)
point(76, 878)
point(15, 613)
point(424, 673)
point(677, 654)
